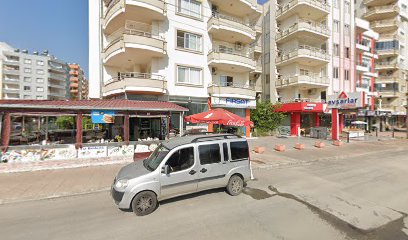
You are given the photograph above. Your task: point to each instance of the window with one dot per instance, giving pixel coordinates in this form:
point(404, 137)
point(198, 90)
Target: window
point(304, 72)
point(189, 7)
point(336, 26)
point(181, 160)
point(40, 89)
point(387, 45)
point(347, 52)
point(189, 75)
point(27, 79)
point(27, 88)
point(347, 7)
point(40, 71)
point(27, 96)
point(239, 151)
point(189, 41)
point(40, 62)
point(27, 61)
point(209, 154)
point(39, 97)
point(27, 70)
point(336, 50)
point(336, 72)
point(40, 80)
point(347, 29)
point(225, 150)
point(226, 81)
point(346, 75)
point(336, 3)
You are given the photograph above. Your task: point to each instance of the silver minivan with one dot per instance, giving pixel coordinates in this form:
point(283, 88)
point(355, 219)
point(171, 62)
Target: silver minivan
point(182, 166)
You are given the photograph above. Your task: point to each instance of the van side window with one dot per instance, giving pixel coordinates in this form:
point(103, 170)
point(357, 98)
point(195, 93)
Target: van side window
point(225, 149)
point(239, 151)
point(181, 159)
point(209, 154)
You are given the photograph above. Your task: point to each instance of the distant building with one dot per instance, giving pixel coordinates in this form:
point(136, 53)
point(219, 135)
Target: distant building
point(34, 75)
point(78, 84)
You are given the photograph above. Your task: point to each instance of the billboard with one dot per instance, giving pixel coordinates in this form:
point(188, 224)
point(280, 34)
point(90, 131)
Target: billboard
point(102, 116)
point(345, 100)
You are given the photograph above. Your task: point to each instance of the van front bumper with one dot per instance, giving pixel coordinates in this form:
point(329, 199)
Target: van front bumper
point(116, 195)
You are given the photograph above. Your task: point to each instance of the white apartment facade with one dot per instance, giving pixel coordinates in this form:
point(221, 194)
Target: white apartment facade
point(198, 54)
point(25, 75)
point(389, 19)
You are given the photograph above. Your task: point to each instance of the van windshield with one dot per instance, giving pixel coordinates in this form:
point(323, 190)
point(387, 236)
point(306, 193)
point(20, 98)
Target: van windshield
point(157, 156)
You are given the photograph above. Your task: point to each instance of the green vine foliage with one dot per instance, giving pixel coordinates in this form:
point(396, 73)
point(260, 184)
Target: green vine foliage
point(265, 118)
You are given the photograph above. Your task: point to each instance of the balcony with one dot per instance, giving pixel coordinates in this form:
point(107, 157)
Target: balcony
point(388, 93)
point(11, 90)
point(229, 59)
point(242, 7)
point(384, 37)
point(303, 81)
point(387, 52)
point(73, 79)
point(388, 25)
point(258, 67)
point(57, 77)
point(57, 68)
point(304, 29)
point(362, 67)
point(313, 9)
point(11, 72)
point(74, 72)
point(11, 80)
point(304, 55)
point(11, 62)
point(373, 3)
point(381, 12)
point(386, 65)
point(56, 86)
point(256, 46)
point(73, 85)
point(223, 26)
point(138, 83)
point(387, 79)
point(244, 91)
point(118, 11)
point(128, 47)
point(361, 47)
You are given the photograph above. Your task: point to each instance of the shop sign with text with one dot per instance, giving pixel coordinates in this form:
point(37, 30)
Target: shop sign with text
point(345, 100)
point(233, 102)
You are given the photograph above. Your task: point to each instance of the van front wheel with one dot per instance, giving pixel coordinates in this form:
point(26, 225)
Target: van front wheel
point(144, 203)
point(235, 185)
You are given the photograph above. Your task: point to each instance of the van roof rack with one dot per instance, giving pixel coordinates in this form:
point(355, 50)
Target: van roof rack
point(175, 142)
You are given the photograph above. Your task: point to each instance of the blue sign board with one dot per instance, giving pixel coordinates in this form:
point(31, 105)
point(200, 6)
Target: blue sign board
point(102, 116)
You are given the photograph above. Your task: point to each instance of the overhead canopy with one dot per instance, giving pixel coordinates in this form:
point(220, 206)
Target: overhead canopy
point(359, 123)
point(219, 116)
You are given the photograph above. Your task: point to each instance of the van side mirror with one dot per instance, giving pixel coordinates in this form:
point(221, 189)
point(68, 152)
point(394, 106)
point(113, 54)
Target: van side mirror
point(165, 169)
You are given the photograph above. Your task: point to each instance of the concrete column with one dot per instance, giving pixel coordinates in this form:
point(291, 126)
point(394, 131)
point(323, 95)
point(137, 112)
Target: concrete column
point(294, 123)
point(181, 123)
point(316, 120)
point(5, 131)
point(248, 118)
point(341, 123)
point(335, 124)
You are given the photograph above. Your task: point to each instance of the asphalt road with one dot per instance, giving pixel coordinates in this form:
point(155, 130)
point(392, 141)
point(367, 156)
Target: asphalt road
point(281, 204)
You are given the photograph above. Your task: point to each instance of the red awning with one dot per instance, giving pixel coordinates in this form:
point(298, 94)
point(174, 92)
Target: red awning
point(219, 116)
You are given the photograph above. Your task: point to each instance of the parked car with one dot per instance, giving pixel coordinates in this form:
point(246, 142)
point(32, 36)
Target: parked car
point(182, 166)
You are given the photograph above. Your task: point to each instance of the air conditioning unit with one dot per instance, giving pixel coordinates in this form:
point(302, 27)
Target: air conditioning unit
point(214, 70)
point(238, 46)
point(311, 91)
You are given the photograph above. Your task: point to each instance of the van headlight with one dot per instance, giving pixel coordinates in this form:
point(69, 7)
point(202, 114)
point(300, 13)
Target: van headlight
point(121, 184)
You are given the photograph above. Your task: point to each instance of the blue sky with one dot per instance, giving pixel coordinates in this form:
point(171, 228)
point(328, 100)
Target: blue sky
point(56, 25)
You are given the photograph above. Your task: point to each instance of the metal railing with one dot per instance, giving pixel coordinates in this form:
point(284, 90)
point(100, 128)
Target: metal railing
point(303, 24)
point(123, 75)
point(57, 76)
point(109, 7)
point(381, 9)
point(231, 18)
point(224, 47)
point(303, 50)
point(384, 22)
point(317, 100)
point(233, 85)
point(302, 78)
point(316, 3)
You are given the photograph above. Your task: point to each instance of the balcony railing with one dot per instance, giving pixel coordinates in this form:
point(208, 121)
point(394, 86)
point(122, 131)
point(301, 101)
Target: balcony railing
point(233, 85)
point(224, 47)
point(304, 50)
point(315, 3)
point(381, 9)
point(219, 88)
point(11, 71)
point(390, 51)
point(135, 79)
point(301, 25)
point(57, 76)
point(302, 79)
point(386, 64)
point(232, 19)
point(384, 23)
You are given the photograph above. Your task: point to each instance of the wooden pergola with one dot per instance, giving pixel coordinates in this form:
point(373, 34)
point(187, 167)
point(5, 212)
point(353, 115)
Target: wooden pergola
point(79, 108)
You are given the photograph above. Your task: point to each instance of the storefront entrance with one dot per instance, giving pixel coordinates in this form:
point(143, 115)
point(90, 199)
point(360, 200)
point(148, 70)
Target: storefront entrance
point(143, 128)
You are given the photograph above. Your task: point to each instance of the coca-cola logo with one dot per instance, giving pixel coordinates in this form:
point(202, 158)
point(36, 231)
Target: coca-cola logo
point(235, 123)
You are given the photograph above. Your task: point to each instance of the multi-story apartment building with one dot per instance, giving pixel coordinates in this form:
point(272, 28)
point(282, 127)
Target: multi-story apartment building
point(31, 76)
point(198, 54)
point(78, 84)
point(366, 57)
point(389, 19)
point(309, 53)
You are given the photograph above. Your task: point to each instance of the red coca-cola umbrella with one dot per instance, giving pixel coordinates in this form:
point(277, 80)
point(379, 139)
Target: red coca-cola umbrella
point(219, 116)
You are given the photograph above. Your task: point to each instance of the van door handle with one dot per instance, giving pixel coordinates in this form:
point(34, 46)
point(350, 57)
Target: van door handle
point(203, 170)
point(192, 172)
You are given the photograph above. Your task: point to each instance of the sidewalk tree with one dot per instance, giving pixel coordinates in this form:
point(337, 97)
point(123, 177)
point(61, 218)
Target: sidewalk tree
point(265, 118)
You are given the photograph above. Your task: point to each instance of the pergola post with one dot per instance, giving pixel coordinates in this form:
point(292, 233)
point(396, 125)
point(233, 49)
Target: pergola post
point(78, 142)
point(126, 134)
point(5, 131)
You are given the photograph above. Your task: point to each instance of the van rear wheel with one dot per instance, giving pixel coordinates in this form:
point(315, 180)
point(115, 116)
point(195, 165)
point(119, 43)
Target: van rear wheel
point(235, 185)
point(144, 203)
